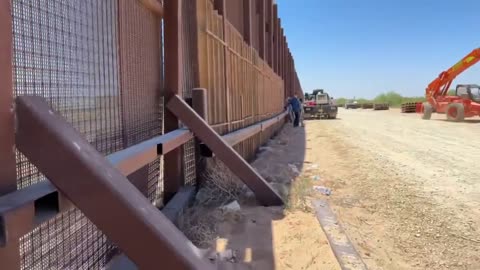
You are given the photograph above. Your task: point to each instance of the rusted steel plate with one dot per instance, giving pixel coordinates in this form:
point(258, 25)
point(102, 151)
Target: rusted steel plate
point(263, 191)
point(9, 256)
point(347, 256)
point(97, 188)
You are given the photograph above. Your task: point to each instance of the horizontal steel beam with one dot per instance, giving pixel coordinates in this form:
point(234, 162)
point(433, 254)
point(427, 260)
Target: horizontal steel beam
point(135, 157)
point(272, 121)
point(241, 135)
point(127, 161)
point(262, 190)
point(99, 190)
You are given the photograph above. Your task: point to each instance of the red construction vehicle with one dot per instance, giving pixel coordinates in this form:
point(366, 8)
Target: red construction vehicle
point(465, 102)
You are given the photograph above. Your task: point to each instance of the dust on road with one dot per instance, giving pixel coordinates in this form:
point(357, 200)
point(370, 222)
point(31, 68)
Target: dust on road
point(406, 190)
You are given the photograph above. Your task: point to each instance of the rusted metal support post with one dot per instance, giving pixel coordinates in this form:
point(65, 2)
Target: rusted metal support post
point(282, 53)
point(287, 69)
point(9, 255)
point(269, 27)
point(275, 39)
point(262, 190)
point(199, 104)
point(173, 165)
point(221, 6)
point(262, 30)
point(285, 57)
point(99, 190)
point(291, 72)
point(202, 55)
point(247, 21)
point(8, 179)
point(279, 48)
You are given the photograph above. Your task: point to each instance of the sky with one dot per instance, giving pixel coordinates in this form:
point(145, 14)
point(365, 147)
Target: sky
point(361, 48)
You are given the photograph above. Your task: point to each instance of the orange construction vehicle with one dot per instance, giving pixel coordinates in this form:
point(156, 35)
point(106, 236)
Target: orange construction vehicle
point(465, 102)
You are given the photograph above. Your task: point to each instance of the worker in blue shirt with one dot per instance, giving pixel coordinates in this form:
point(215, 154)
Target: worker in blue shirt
point(296, 108)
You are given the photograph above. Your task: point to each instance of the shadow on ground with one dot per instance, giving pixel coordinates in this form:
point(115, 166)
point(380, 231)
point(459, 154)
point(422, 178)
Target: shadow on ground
point(288, 237)
point(280, 162)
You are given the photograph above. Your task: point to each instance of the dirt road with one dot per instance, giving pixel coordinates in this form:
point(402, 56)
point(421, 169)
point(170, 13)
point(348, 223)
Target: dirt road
point(406, 190)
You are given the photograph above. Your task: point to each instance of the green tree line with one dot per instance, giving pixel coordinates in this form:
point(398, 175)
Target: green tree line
point(393, 98)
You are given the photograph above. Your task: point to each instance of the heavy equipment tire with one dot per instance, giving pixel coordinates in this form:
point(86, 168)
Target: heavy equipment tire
point(455, 112)
point(427, 111)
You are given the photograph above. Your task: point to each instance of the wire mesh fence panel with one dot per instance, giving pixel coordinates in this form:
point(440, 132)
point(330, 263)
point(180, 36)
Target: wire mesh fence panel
point(66, 51)
point(98, 64)
point(140, 53)
point(69, 241)
point(190, 80)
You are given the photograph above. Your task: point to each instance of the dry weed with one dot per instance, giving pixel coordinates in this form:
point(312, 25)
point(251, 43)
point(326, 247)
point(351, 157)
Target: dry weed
point(219, 187)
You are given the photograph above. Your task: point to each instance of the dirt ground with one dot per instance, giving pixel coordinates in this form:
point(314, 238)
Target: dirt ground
point(274, 237)
point(406, 190)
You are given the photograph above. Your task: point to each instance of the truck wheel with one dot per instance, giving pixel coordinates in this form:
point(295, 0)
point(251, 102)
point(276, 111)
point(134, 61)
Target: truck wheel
point(427, 111)
point(455, 112)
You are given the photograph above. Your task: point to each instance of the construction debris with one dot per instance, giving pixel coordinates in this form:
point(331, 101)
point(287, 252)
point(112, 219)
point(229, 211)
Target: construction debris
point(367, 106)
point(381, 106)
point(231, 207)
point(323, 190)
point(410, 107)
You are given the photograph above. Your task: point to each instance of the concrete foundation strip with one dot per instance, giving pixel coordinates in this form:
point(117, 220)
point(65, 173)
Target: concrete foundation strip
point(347, 256)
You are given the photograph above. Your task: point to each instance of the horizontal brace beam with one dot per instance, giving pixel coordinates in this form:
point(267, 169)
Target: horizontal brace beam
point(135, 157)
point(241, 135)
point(127, 161)
point(272, 121)
point(262, 189)
point(99, 190)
